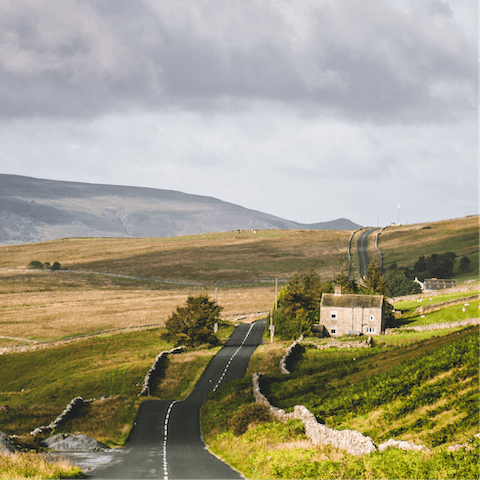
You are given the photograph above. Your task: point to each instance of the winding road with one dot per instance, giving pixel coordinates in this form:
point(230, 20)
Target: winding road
point(166, 440)
point(362, 247)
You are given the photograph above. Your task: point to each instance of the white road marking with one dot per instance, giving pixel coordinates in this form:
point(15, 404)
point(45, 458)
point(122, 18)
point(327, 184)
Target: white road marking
point(231, 358)
point(165, 437)
point(169, 410)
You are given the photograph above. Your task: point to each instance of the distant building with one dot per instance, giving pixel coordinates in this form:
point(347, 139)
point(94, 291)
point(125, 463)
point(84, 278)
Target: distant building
point(437, 284)
point(348, 314)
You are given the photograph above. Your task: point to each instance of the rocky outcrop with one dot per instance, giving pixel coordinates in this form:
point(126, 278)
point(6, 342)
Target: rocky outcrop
point(401, 444)
point(350, 440)
point(154, 371)
point(66, 442)
point(7, 447)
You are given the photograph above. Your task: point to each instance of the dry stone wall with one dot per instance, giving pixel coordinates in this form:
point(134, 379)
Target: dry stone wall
point(70, 411)
point(439, 306)
point(290, 350)
point(435, 326)
point(350, 440)
point(154, 371)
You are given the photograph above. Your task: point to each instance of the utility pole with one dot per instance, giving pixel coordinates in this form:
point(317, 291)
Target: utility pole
point(272, 328)
point(276, 293)
point(215, 327)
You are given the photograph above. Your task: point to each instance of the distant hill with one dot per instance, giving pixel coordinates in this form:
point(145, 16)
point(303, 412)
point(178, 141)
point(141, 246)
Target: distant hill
point(37, 210)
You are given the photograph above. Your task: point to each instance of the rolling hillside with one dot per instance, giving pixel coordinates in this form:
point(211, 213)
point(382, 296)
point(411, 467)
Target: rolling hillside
point(36, 210)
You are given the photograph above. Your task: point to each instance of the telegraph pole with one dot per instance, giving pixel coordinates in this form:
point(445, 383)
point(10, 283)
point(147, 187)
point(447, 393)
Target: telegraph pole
point(215, 327)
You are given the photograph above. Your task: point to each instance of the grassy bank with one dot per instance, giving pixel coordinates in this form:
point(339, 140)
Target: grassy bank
point(404, 244)
point(30, 465)
point(112, 366)
point(425, 391)
point(214, 258)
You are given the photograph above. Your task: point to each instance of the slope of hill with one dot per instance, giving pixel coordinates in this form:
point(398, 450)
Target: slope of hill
point(35, 210)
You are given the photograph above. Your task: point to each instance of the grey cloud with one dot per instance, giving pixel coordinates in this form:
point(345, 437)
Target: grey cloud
point(108, 56)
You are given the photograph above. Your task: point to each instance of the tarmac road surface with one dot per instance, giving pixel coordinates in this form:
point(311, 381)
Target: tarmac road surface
point(166, 440)
point(363, 252)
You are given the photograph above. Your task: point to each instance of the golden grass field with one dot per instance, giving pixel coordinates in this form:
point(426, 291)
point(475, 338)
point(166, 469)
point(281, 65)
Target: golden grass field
point(44, 305)
point(71, 306)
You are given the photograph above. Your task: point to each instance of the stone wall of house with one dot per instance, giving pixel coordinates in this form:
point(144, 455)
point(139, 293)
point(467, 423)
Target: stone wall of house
point(351, 319)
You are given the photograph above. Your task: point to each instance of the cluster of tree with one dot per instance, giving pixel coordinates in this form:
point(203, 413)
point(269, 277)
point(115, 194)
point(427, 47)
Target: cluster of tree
point(193, 323)
point(35, 264)
point(299, 301)
point(434, 266)
point(298, 304)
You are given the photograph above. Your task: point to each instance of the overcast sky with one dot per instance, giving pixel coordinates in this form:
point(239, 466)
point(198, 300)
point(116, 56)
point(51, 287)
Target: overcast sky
point(308, 110)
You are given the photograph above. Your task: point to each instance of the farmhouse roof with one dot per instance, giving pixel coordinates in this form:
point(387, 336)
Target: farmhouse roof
point(351, 300)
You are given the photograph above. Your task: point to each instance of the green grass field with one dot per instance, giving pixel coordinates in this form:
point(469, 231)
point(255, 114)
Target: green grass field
point(425, 391)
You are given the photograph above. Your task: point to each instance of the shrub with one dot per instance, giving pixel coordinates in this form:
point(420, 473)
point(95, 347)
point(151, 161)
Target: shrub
point(55, 266)
point(35, 264)
point(250, 413)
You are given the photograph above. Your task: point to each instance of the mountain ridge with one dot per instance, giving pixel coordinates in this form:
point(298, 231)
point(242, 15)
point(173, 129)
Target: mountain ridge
point(36, 210)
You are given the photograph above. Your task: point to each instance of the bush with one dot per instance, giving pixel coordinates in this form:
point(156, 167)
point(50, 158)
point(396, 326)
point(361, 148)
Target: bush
point(250, 413)
point(55, 266)
point(35, 264)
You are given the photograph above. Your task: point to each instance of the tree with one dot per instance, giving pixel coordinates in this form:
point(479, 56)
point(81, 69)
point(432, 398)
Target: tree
point(298, 305)
point(348, 284)
point(398, 284)
point(55, 266)
point(193, 324)
point(374, 281)
point(464, 264)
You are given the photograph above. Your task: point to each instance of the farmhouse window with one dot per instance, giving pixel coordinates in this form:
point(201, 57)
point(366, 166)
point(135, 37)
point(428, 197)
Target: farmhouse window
point(334, 315)
point(370, 329)
point(333, 330)
point(372, 318)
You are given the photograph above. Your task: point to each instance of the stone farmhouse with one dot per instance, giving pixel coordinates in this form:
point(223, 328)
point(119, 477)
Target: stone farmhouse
point(348, 314)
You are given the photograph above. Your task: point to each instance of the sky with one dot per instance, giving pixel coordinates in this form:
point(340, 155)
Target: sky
point(307, 110)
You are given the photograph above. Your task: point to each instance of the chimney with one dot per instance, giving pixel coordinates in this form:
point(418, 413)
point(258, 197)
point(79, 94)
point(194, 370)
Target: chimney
point(338, 290)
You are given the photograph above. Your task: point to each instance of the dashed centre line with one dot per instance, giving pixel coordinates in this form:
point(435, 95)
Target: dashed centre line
point(170, 407)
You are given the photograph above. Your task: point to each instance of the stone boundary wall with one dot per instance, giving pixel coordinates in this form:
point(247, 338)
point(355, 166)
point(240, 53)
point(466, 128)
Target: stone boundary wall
point(439, 306)
point(70, 411)
point(335, 343)
point(435, 293)
point(290, 350)
point(75, 405)
point(350, 440)
point(154, 371)
point(435, 326)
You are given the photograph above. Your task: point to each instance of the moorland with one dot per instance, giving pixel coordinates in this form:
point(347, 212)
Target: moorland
point(93, 328)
